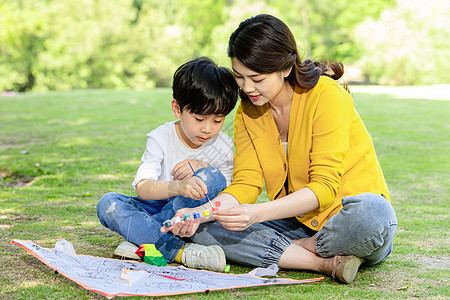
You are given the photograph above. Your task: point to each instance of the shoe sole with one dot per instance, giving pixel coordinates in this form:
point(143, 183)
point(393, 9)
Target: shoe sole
point(351, 269)
point(126, 253)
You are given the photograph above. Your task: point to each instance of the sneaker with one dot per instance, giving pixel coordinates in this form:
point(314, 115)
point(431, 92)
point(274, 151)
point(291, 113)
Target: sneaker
point(127, 249)
point(204, 257)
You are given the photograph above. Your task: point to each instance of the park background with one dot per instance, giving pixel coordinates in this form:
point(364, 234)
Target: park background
point(50, 45)
point(82, 82)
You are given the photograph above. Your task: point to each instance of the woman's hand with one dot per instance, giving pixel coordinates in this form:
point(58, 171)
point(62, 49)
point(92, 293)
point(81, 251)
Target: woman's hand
point(182, 170)
point(184, 228)
point(237, 218)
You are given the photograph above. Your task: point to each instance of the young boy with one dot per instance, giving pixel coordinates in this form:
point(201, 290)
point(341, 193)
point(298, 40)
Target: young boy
point(203, 95)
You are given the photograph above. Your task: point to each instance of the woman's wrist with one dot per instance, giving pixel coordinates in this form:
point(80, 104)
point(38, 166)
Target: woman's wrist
point(261, 212)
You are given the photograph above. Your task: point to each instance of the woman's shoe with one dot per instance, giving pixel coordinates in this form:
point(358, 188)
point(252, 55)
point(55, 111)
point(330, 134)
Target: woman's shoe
point(346, 268)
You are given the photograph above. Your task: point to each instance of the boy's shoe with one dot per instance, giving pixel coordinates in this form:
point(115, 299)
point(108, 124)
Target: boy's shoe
point(204, 257)
point(127, 249)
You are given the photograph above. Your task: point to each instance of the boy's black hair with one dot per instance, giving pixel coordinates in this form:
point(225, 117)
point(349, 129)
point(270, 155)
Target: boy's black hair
point(203, 88)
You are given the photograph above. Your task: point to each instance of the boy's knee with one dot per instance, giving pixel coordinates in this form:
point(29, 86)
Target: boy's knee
point(211, 175)
point(107, 202)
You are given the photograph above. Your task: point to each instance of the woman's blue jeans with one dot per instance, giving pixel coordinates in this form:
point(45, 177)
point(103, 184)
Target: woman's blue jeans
point(139, 221)
point(364, 227)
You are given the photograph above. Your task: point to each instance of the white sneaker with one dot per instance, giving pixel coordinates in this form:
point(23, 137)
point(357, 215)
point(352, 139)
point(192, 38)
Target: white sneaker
point(204, 257)
point(127, 249)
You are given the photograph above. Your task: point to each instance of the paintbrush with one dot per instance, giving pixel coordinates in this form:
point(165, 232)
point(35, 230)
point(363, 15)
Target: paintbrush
point(205, 194)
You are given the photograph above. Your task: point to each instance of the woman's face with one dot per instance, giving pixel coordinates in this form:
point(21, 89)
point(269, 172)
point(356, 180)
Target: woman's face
point(260, 88)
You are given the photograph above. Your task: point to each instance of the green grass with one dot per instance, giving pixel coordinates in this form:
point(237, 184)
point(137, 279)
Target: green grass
point(60, 152)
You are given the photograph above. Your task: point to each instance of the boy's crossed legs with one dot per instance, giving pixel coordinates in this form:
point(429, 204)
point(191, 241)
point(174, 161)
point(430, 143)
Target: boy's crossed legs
point(139, 222)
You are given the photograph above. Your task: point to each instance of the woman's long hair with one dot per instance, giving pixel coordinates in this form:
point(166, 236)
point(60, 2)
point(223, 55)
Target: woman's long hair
point(265, 44)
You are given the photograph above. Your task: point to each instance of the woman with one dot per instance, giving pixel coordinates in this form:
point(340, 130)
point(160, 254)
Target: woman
point(297, 130)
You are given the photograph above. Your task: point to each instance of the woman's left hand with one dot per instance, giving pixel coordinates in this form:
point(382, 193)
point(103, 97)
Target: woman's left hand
point(237, 218)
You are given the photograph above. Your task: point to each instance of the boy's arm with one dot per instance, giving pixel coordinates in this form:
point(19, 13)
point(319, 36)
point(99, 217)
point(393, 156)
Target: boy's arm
point(149, 189)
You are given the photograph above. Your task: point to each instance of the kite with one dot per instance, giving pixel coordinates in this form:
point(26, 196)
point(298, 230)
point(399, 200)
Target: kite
point(113, 277)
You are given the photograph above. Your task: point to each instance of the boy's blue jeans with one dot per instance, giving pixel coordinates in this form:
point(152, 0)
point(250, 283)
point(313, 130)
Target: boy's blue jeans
point(364, 227)
point(139, 221)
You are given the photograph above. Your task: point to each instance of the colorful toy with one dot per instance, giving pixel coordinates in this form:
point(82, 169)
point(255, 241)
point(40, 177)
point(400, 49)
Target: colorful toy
point(151, 255)
point(196, 215)
point(227, 268)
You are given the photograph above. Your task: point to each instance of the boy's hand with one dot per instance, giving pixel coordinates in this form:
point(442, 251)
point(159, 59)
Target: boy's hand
point(185, 228)
point(182, 170)
point(193, 188)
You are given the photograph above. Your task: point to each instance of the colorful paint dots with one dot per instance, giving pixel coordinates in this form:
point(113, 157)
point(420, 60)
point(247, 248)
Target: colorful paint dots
point(176, 219)
point(217, 203)
point(196, 215)
point(206, 213)
point(186, 216)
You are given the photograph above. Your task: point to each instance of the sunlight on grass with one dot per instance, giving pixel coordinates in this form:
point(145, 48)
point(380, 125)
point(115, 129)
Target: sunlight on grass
point(77, 141)
point(30, 283)
point(132, 162)
point(108, 177)
point(90, 223)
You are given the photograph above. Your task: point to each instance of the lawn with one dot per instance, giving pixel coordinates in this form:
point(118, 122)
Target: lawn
point(61, 151)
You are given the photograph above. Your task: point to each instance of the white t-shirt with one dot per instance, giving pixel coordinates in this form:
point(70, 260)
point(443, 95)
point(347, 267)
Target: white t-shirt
point(164, 150)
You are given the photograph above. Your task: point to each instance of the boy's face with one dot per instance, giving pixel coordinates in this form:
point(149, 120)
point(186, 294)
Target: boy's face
point(195, 130)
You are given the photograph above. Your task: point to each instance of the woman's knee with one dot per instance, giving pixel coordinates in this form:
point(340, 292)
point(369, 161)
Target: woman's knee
point(366, 223)
point(383, 244)
point(371, 209)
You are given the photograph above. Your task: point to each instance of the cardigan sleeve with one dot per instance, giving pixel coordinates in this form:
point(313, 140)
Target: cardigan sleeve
point(247, 181)
point(330, 142)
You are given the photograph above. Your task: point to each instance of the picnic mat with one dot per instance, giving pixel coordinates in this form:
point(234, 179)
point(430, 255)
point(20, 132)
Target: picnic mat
point(113, 277)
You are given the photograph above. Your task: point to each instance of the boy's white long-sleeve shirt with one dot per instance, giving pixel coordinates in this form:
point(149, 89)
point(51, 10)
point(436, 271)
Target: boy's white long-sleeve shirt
point(164, 150)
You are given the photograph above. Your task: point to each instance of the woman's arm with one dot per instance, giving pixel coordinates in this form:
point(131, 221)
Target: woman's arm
point(241, 217)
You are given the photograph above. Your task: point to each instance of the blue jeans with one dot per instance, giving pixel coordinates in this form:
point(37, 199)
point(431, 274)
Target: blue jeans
point(139, 221)
point(364, 227)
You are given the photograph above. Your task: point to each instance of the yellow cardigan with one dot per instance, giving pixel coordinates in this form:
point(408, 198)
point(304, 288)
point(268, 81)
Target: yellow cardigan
point(329, 151)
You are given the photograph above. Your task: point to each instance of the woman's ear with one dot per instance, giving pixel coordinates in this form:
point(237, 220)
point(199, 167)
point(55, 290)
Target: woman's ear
point(176, 109)
point(287, 72)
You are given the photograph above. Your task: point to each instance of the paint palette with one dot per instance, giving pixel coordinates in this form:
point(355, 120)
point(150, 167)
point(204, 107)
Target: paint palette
point(195, 215)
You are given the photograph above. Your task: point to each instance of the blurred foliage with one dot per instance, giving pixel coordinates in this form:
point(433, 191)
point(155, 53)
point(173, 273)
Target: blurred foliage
point(137, 44)
point(408, 44)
